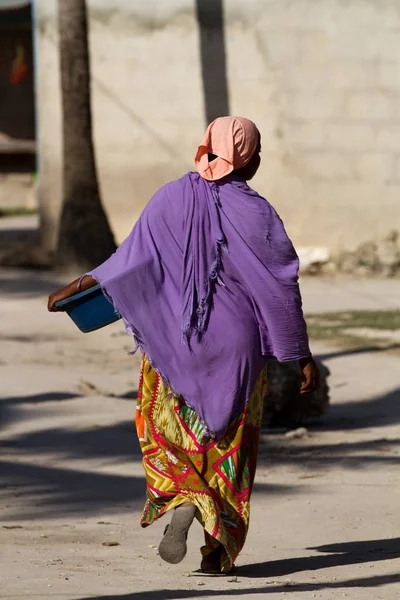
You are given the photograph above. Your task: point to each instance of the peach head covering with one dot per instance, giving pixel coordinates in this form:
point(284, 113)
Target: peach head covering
point(233, 140)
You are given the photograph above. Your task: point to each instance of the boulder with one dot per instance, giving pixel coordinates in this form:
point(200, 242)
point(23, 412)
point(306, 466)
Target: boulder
point(388, 252)
point(381, 258)
point(313, 260)
point(283, 404)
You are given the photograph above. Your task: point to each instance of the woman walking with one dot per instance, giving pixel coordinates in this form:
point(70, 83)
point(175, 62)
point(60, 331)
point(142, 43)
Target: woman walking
point(207, 283)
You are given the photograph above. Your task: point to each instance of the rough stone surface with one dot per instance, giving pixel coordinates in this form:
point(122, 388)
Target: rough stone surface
point(380, 258)
point(283, 404)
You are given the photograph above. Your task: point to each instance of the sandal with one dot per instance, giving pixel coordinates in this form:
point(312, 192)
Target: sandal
point(211, 564)
point(173, 546)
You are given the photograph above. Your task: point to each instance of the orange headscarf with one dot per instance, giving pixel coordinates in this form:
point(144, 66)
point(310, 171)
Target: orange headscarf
point(233, 140)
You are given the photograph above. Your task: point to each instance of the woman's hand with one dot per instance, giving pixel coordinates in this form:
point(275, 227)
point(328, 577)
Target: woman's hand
point(68, 291)
point(61, 294)
point(310, 375)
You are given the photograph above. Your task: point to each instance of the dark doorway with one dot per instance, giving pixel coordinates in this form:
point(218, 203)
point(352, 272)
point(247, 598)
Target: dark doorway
point(210, 16)
point(17, 101)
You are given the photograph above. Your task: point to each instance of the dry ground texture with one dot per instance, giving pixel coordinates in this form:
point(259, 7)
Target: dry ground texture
point(325, 512)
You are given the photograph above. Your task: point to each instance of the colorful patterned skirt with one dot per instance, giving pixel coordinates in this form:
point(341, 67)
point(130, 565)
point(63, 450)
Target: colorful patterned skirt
point(183, 464)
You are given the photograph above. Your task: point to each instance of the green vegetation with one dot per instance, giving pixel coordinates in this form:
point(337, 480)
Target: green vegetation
point(17, 212)
point(350, 329)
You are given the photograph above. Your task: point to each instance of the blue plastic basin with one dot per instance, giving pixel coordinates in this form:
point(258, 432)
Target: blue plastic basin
point(89, 310)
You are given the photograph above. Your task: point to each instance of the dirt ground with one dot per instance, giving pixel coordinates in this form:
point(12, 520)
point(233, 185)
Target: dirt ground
point(325, 510)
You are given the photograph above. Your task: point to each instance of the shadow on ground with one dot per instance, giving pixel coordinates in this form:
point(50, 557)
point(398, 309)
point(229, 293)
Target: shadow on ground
point(32, 285)
point(34, 489)
point(349, 455)
point(49, 492)
point(114, 441)
point(38, 491)
point(349, 553)
point(341, 352)
point(69, 490)
point(367, 413)
point(335, 555)
point(365, 582)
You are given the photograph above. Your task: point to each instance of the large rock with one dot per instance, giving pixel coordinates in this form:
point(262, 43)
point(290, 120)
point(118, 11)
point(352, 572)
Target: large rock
point(389, 254)
point(313, 260)
point(364, 260)
point(283, 404)
point(380, 258)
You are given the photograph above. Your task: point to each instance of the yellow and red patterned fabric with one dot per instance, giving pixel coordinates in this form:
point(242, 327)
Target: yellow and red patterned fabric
point(182, 464)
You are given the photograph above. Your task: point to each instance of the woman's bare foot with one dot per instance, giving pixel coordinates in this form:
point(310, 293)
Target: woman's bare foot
point(173, 546)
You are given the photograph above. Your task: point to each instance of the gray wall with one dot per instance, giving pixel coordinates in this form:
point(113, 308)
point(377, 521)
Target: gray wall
point(321, 78)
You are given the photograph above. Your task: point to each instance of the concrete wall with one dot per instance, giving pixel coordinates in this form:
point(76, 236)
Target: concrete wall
point(321, 78)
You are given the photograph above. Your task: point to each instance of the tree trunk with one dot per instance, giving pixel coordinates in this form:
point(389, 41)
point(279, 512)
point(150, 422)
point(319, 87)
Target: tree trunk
point(85, 238)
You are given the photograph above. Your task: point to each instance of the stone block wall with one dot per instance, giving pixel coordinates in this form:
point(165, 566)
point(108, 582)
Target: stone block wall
point(334, 84)
point(321, 78)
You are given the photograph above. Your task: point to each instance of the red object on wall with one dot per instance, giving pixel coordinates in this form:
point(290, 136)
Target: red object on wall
point(19, 69)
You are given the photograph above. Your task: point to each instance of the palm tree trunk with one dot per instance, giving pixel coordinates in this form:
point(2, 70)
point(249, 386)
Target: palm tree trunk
point(85, 238)
point(210, 18)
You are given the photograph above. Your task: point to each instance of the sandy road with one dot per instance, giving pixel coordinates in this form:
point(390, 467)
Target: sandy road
point(325, 511)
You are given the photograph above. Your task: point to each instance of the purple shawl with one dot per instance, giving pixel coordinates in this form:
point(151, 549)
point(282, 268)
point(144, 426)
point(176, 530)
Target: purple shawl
point(207, 283)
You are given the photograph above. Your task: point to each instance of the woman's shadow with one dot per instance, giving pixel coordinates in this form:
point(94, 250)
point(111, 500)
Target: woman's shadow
point(347, 553)
point(335, 555)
